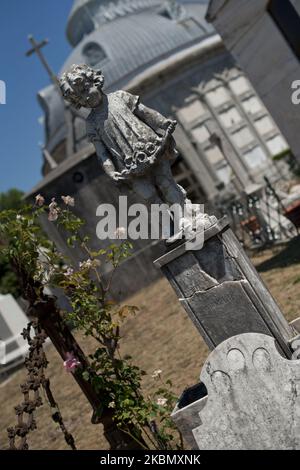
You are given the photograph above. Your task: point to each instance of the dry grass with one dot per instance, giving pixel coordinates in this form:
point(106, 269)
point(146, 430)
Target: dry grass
point(160, 336)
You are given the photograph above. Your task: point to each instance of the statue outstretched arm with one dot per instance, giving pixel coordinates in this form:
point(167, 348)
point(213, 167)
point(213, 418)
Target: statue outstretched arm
point(104, 158)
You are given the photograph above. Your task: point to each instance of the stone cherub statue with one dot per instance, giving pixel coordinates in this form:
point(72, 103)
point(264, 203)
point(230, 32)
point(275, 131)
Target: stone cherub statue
point(133, 142)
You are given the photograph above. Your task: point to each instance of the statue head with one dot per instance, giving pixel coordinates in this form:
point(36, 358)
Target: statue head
point(82, 86)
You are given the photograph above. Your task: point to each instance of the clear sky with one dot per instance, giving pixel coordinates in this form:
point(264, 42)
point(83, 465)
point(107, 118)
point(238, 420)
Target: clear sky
point(20, 131)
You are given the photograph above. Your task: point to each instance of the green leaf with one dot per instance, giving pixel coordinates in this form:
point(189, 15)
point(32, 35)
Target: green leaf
point(86, 375)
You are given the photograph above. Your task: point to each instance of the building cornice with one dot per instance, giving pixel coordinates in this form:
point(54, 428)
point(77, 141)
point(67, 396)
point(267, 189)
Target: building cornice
point(180, 60)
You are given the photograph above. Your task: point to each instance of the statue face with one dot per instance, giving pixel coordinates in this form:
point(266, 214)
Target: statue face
point(93, 97)
point(87, 94)
point(82, 86)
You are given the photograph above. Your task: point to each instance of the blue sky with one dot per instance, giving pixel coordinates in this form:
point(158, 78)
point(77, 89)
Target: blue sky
point(20, 131)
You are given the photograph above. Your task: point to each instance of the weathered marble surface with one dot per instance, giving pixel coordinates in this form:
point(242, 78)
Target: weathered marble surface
point(222, 292)
point(134, 143)
point(253, 397)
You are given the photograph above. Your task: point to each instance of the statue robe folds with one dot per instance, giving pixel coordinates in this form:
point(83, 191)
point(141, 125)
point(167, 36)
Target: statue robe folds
point(135, 136)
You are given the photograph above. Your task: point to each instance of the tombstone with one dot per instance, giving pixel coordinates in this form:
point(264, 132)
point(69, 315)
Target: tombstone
point(222, 292)
point(12, 321)
point(253, 399)
point(224, 297)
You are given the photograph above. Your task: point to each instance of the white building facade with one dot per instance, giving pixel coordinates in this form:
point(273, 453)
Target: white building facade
point(264, 38)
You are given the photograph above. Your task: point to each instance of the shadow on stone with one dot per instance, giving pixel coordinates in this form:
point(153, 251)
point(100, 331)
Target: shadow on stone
point(288, 256)
point(191, 394)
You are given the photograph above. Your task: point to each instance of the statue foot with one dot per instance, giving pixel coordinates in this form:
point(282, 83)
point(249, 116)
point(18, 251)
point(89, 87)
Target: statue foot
point(177, 238)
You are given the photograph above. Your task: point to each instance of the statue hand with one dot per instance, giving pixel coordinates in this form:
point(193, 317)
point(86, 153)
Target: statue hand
point(117, 176)
point(171, 127)
point(152, 160)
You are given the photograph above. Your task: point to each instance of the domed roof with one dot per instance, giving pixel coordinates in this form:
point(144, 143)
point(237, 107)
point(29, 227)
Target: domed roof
point(79, 4)
point(87, 15)
point(127, 45)
point(81, 20)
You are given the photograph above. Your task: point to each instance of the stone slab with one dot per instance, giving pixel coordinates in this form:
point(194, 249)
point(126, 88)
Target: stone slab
point(226, 310)
point(222, 292)
point(253, 397)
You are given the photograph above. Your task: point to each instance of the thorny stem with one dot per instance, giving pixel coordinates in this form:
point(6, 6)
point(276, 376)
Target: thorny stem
point(146, 432)
point(134, 438)
point(181, 440)
point(106, 341)
point(86, 248)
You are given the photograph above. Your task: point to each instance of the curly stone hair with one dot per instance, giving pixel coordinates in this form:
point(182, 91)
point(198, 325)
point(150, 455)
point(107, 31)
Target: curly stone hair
point(79, 77)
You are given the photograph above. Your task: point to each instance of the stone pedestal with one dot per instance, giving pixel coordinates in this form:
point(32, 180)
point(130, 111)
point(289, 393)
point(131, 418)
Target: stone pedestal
point(222, 292)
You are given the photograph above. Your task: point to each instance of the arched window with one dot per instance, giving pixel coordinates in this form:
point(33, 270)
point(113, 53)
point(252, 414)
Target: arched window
point(93, 53)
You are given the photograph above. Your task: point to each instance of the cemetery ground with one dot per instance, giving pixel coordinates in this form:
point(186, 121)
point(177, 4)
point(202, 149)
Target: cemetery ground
point(160, 336)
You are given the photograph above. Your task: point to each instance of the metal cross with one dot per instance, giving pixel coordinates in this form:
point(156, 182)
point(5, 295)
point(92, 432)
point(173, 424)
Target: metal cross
point(36, 49)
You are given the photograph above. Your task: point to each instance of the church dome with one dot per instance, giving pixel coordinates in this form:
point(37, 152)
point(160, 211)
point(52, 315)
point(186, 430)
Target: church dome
point(128, 45)
point(123, 39)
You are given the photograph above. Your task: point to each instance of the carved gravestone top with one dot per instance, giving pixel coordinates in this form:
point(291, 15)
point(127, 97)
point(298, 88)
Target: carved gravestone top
point(253, 397)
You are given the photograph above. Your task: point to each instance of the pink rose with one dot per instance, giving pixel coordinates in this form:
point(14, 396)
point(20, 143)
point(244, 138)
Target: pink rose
point(68, 200)
point(71, 363)
point(39, 200)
